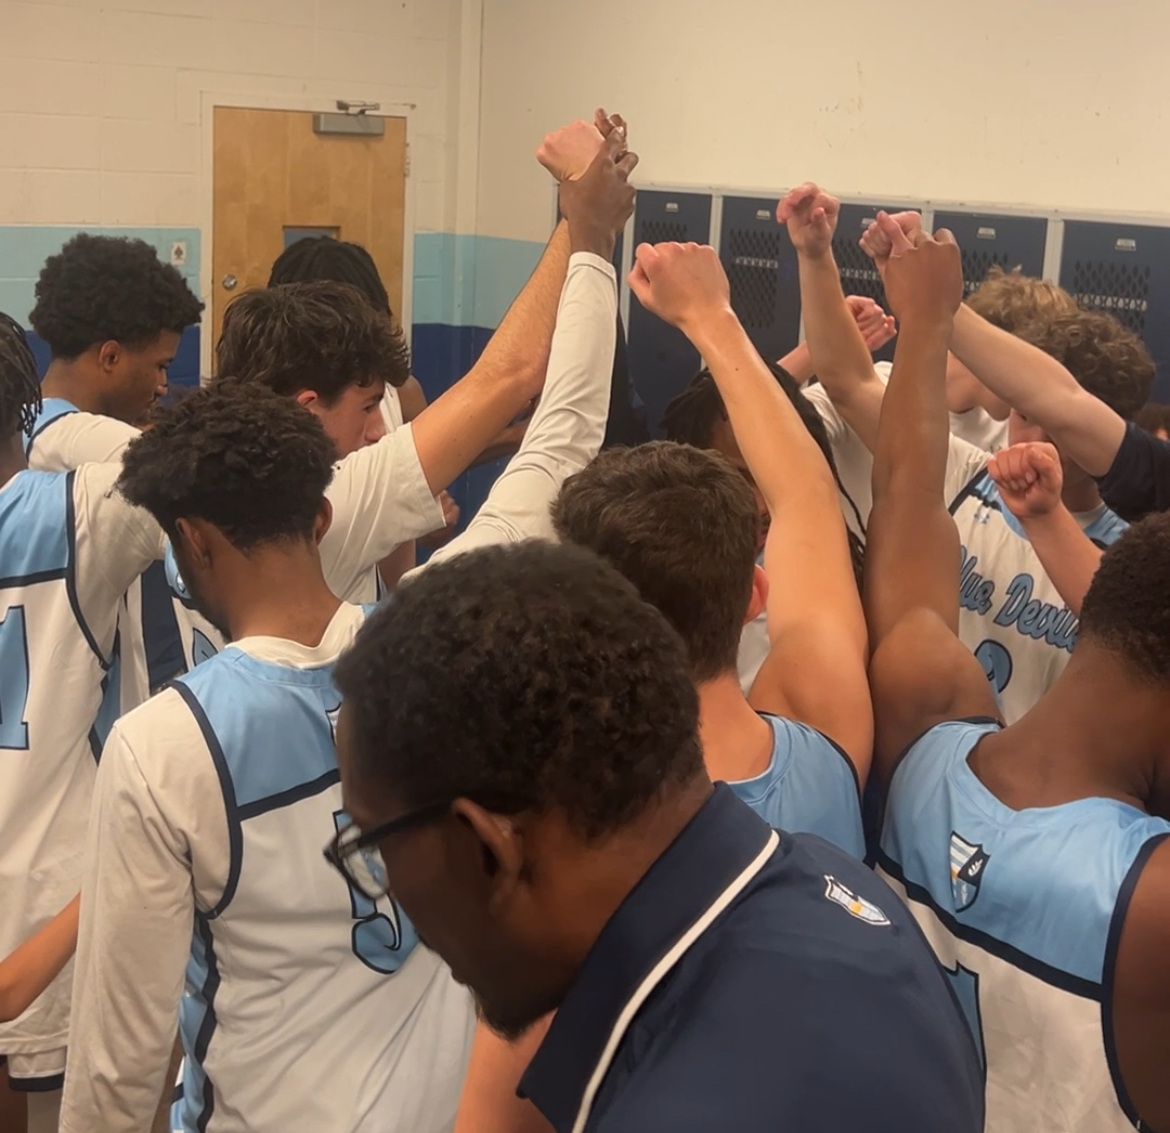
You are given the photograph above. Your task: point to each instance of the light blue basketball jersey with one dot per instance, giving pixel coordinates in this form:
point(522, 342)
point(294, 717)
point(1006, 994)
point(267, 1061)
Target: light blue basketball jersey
point(810, 787)
point(308, 1005)
point(1011, 615)
point(1024, 910)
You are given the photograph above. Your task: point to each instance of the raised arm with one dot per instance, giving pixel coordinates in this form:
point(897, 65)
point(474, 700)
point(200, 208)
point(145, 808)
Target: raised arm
point(567, 429)
point(816, 669)
point(840, 358)
point(1030, 479)
point(920, 672)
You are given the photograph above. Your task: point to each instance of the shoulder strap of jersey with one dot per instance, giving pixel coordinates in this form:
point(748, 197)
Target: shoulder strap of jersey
point(53, 409)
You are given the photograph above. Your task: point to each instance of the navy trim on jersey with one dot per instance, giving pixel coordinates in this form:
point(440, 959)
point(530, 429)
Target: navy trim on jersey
point(973, 720)
point(71, 571)
point(968, 491)
point(1120, 912)
point(37, 1085)
point(32, 579)
point(292, 795)
point(845, 756)
point(207, 1027)
point(235, 834)
point(1065, 981)
point(39, 429)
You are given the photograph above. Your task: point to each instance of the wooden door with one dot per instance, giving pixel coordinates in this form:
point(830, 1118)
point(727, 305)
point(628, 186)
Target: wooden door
point(273, 175)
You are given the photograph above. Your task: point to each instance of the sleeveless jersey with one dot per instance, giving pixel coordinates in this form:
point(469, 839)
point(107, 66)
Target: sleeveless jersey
point(308, 1006)
point(810, 787)
point(1024, 910)
point(58, 618)
point(1012, 616)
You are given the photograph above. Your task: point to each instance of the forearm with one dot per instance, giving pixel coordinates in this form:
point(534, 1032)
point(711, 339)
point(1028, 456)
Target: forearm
point(568, 426)
point(798, 362)
point(26, 973)
point(396, 564)
point(1035, 384)
point(839, 356)
point(1069, 557)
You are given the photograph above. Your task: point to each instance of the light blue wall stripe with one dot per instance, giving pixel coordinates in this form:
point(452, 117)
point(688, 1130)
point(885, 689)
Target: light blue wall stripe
point(458, 280)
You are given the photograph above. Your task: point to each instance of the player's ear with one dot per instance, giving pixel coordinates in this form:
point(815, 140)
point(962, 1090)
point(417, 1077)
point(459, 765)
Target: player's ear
point(109, 354)
point(307, 399)
point(759, 599)
point(501, 851)
point(324, 520)
point(192, 546)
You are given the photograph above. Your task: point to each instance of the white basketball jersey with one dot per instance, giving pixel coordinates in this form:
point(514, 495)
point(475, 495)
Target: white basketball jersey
point(1024, 910)
point(1012, 617)
point(308, 1006)
point(68, 549)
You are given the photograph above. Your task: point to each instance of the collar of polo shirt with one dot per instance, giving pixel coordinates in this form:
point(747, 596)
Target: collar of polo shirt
point(718, 844)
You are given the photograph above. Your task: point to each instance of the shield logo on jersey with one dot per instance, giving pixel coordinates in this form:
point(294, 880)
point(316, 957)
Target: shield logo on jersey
point(854, 905)
point(968, 864)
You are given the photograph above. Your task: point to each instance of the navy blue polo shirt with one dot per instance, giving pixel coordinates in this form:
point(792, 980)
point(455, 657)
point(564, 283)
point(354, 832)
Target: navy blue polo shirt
point(811, 1004)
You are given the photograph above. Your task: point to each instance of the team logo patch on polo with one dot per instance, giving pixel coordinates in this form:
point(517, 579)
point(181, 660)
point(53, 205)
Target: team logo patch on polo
point(854, 905)
point(968, 863)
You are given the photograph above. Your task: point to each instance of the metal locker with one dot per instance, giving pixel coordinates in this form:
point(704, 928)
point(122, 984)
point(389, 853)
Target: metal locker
point(662, 361)
point(859, 276)
point(1124, 269)
point(760, 262)
point(988, 239)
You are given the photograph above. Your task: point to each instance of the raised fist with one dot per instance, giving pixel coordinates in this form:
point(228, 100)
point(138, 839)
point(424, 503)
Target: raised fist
point(1029, 478)
point(811, 216)
point(682, 284)
point(566, 153)
point(598, 204)
point(924, 279)
point(877, 328)
point(877, 243)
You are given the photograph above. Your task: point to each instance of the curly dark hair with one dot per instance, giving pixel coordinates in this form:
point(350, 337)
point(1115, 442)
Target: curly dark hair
point(526, 677)
point(20, 387)
point(245, 459)
point(682, 525)
point(321, 336)
point(109, 289)
point(1153, 416)
point(1108, 360)
point(1126, 609)
point(690, 419)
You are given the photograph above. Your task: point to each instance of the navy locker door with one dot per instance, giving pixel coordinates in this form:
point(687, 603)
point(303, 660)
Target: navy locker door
point(760, 262)
point(662, 361)
point(1124, 269)
point(858, 274)
point(987, 240)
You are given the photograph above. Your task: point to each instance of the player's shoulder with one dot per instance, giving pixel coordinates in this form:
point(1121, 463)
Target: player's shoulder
point(151, 734)
point(800, 750)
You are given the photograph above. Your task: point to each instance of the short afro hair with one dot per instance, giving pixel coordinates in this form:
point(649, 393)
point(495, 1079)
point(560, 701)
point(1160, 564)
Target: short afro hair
point(321, 336)
point(20, 387)
point(682, 525)
point(526, 677)
point(1126, 609)
point(109, 289)
point(1106, 358)
point(252, 463)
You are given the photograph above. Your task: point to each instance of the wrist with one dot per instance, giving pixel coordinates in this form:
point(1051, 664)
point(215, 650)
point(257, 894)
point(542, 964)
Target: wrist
point(708, 326)
point(818, 256)
point(587, 236)
point(926, 327)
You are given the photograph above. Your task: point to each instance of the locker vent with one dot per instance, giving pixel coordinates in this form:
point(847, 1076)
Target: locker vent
point(1121, 290)
point(663, 232)
point(977, 263)
point(858, 274)
point(752, 260)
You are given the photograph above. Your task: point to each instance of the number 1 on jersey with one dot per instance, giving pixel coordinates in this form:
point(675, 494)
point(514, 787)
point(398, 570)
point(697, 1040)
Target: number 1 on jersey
point(13, 680)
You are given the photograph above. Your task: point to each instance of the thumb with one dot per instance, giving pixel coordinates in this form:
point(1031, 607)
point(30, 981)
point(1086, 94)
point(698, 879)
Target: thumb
point(638, 280)
point(628, 162)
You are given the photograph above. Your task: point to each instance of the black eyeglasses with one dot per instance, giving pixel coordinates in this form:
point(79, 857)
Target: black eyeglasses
point(356, 855)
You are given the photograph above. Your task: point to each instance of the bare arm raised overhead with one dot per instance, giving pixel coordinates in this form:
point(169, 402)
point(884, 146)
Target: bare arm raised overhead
point(816, 670)
point(920, 673)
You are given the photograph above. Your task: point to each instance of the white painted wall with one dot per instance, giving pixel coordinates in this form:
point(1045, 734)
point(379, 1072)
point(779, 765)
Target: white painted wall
point(1014, 102)
point(102, 102)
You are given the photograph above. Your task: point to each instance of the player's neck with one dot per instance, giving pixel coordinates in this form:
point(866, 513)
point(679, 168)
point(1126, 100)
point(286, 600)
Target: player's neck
point(68, 381)
point(281, 593)
point(737, 742)
point(12, 458)
point(1097, 733)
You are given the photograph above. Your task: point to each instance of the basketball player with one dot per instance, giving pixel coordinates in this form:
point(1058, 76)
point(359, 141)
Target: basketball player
point(112, 315)
point(1013, 618)
point(236, 764)
point(1030, 855)
point(535, 796)
point(69, 549)
point(683, 526)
